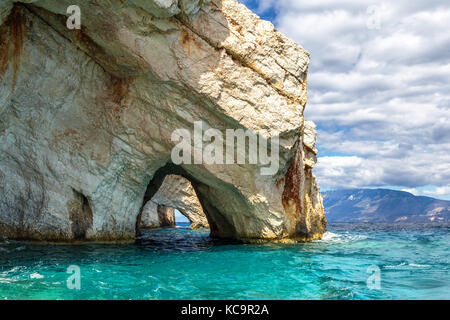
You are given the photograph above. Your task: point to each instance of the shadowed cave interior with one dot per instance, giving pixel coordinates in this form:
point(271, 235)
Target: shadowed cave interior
point(165, 214)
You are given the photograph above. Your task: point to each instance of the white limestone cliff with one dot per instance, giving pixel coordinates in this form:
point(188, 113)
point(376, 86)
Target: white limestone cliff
point(87, 116)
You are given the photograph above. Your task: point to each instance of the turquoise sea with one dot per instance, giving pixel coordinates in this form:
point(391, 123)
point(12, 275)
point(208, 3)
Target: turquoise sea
point(413, 262)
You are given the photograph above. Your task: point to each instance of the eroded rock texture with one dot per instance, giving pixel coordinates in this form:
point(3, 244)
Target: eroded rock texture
point(86, 118)
point(156, 216)
point(177, 192)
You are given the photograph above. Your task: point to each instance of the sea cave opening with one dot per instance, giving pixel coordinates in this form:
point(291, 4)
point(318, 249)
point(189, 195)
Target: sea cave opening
point(171, 200)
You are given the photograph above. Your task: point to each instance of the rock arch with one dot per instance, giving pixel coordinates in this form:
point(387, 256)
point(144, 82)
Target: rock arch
point(174, 187)
point(93, 110)
point(175, 192)
point(155, 216)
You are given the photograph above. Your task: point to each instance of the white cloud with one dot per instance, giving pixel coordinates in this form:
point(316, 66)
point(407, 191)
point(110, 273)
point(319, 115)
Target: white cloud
point(413, 191)
point(441, 191)
point(379, 96)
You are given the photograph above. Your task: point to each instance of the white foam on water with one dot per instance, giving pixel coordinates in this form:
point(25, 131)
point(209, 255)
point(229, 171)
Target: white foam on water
point(404, 265)
point(7, 280)
point(396, 266)
point(419, 265)
point(14, 269)
point(346, 237)
point(330, 236)
point(36, 276)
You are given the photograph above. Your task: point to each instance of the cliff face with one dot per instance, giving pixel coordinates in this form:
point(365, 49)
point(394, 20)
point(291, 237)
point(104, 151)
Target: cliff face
point(87, 117)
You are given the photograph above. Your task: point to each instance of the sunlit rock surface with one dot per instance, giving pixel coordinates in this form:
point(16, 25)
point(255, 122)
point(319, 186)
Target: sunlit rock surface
point(86, 118)
point(177, 192)
point(156, 216)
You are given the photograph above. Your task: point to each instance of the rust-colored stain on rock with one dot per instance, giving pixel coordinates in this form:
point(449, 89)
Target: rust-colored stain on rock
point(292, 202)
point(12, 35)
point(187, 39)
point(120, 88)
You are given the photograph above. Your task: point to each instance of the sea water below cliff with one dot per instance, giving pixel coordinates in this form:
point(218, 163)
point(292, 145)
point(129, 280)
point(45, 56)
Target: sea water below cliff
point(182, 264)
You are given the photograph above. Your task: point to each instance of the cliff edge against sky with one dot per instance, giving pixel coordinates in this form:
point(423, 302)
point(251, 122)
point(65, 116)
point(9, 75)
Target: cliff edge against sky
point(88, 117)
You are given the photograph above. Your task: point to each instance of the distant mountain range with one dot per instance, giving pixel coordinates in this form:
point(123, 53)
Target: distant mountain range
point(382, 205)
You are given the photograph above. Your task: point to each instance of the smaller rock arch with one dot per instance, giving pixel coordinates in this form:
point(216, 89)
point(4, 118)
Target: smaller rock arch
point(174, 192)
point(177, 192)
point(156, 216)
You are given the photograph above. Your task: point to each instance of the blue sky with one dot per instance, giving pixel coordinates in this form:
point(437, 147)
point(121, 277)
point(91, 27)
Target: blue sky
point(179, 217)
point(379, 89)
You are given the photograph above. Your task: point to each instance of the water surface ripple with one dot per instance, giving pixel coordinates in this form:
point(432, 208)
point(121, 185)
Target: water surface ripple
point(182, 264)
